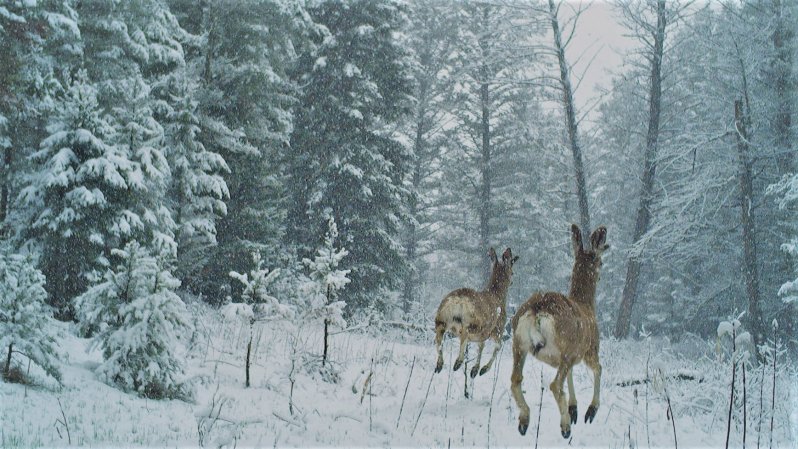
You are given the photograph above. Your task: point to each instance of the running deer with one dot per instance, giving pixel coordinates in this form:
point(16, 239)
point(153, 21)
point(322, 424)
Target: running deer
point(562, 331)
point(476, 316)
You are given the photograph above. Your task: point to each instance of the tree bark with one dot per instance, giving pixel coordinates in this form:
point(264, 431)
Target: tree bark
point(629, 296)
point(326, 335)
point(486, 160)
point(7, 368)
point(750, 270)
point(249, 352)
point(573, 132)
point(485, 165)
point(6, 187)
point(782, 68)
point(411, 246)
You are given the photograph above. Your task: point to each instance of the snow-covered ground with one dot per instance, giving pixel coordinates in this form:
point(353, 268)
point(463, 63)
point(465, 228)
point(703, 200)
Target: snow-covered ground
point(338, 414)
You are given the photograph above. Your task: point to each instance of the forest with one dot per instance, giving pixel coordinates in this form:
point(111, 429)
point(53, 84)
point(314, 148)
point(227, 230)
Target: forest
point(191, 190)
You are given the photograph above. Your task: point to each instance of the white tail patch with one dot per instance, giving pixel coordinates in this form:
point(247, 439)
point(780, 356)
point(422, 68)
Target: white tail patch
point(544, 330)
point(457, 313)
point(536, 334)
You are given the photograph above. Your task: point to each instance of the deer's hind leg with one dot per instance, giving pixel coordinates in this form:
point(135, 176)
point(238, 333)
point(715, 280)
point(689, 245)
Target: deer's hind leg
point(475, 368)
point(463, 343)
point(519, 357)
point(572, 409)
point(556, 387)
point(440, 329)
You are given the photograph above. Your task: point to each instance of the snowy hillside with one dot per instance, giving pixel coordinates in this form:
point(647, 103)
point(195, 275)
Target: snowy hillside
point(401, 407)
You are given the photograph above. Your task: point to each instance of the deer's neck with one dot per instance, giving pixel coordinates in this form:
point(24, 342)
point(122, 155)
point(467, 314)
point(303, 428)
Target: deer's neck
point(497, 288)
point(583, 285)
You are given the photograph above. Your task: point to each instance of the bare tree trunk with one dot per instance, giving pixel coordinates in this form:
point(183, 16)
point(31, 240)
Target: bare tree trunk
point(485, 165)
point(629, 296)
point(782, 35)
point(411, 244)
point(326, 337)
point(570, 118)
point(6, 188)
point(7, 368)
point(249, 353)
point(750, 270)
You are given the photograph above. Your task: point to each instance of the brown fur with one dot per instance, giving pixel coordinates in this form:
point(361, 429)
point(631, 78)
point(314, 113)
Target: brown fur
point(562, 332)
point(476, 316)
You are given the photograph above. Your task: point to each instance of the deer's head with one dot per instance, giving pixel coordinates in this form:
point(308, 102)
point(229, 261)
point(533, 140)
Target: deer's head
point(502, 271)
point(589, 260)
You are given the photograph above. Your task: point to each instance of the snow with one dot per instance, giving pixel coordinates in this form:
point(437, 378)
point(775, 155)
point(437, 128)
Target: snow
point(341, 415)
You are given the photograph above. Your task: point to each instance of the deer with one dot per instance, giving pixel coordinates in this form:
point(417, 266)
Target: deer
point(476, 316)
point(561, 331)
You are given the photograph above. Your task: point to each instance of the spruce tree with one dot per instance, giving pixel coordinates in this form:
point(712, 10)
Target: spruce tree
point(139, 321)
point(356, 84)
point(77, 181)
point(26, 323)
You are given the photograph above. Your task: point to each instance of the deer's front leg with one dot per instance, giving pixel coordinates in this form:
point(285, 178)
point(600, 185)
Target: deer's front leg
point(556, 387)
point(595, 366)
point(475, 368)
point(440, 329)
point(519, 357)
point(497, 347)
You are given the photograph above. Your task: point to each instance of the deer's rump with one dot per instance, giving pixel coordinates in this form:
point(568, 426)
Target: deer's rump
point(466, 309)
point(550, 324)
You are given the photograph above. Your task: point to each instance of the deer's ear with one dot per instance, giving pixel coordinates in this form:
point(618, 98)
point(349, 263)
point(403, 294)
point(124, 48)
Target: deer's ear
point(515, 259)
point(576, 239)
point(507, 256)
point(492, 255)
point(598, 240)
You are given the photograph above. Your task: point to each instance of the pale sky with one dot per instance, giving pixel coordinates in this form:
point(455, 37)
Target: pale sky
point(600, 42)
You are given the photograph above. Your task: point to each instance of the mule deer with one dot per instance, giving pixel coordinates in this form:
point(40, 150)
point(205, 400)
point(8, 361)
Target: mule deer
point(562, 331)
point(476, 316)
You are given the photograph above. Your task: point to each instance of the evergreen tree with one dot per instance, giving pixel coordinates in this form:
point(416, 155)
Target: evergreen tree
point(245, 99)
point(326, 280)
point(138, 320)
point(37, 40)
point(355, 84)
point(197, 190)
point(74, 190)
point(431, 39)
point(26, 324)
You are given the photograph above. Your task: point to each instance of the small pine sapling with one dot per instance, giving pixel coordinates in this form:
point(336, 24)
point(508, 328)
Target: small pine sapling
point(256, 303)
point(326, 280)
point(26, 323)
point(741, 342)
point(139, 321)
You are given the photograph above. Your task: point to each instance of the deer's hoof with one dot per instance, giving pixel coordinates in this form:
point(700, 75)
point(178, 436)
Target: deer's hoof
point(591, 413)
point(484, 370)
point(457, 364)
point(438, 366)
point(474, 371)
point(573, 412)
point(566, 433)
point(523, 425)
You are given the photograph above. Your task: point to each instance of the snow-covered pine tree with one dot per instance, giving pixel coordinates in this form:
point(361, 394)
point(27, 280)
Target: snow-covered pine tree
point(326, 280)
point(77, 180)
point(139, 321)
point(257, 303)
point(197, 189)
point(431, 38)
point(39, 39)
point(26, 322)
point(356, 84)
